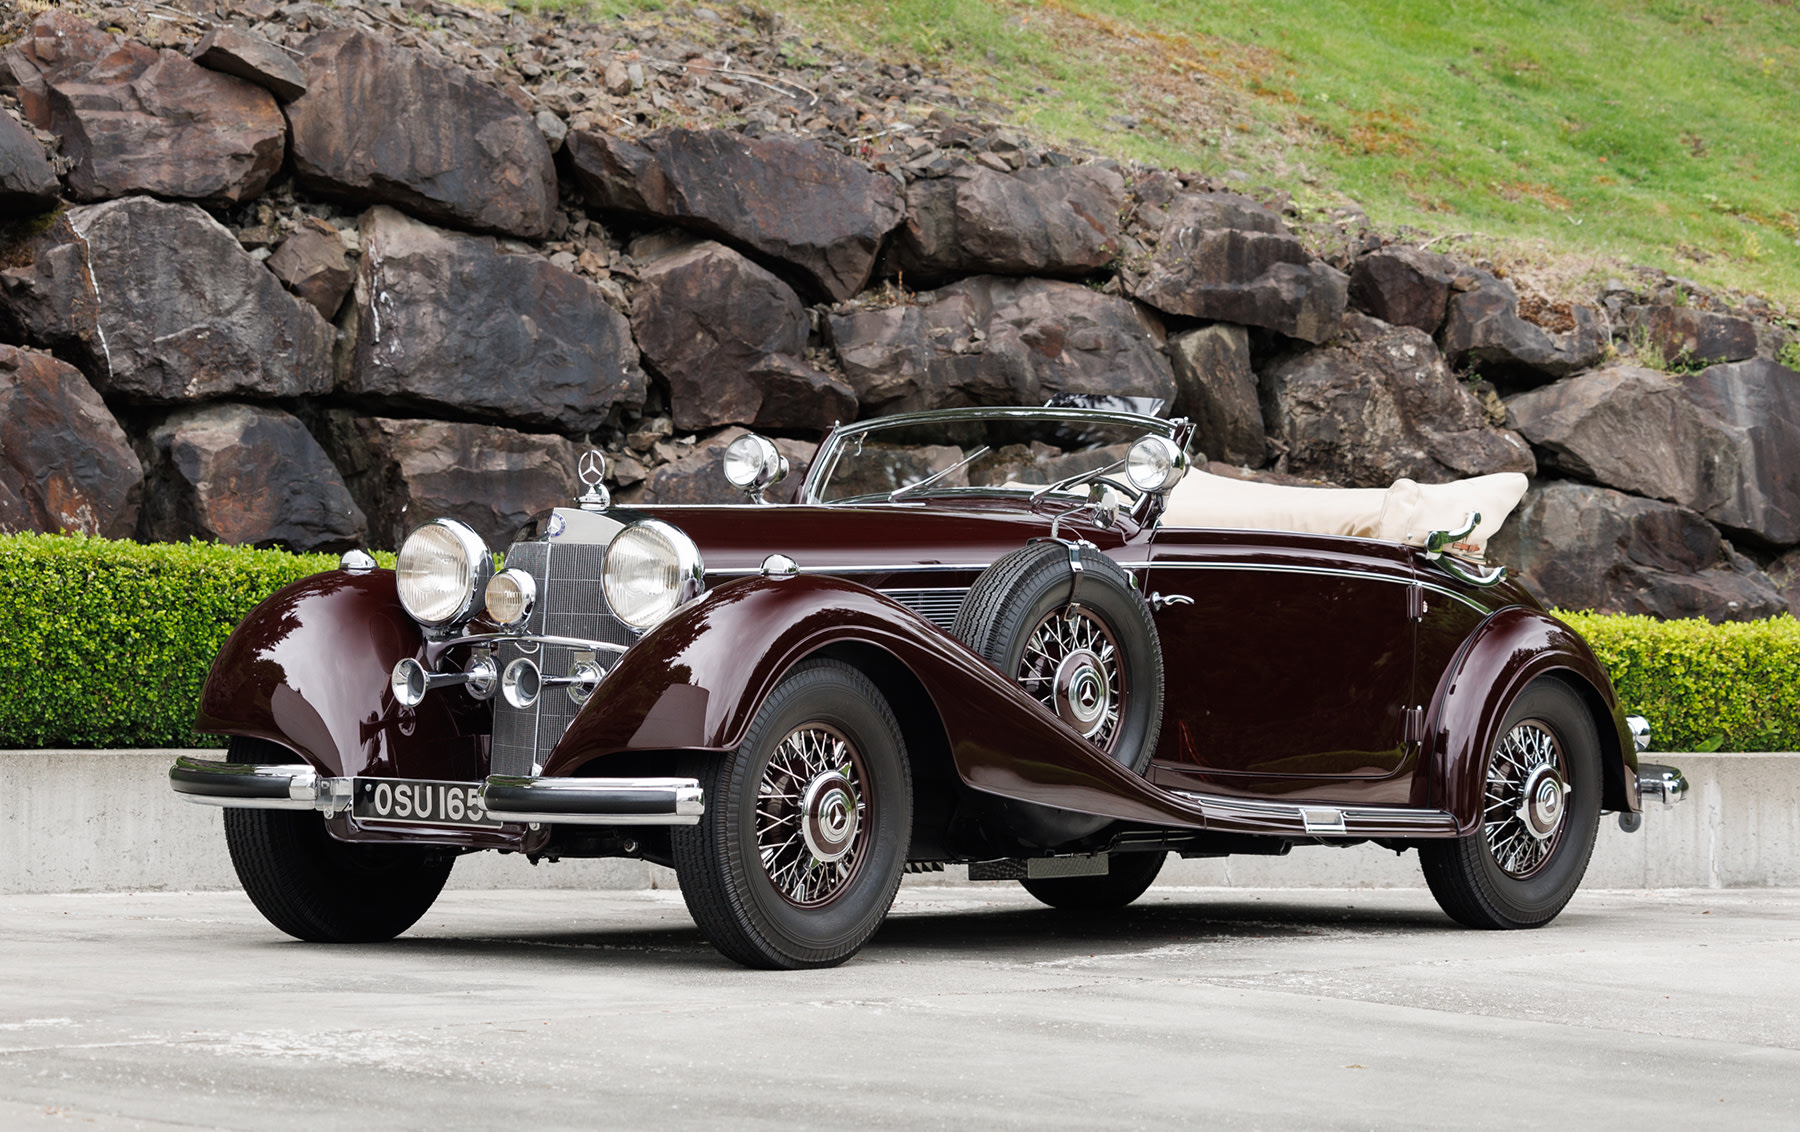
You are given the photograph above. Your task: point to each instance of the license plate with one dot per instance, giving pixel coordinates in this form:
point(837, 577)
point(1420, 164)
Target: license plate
point(421, 802)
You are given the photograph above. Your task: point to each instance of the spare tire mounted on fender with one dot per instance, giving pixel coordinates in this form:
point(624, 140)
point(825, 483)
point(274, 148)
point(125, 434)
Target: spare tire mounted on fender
point(1096, 663)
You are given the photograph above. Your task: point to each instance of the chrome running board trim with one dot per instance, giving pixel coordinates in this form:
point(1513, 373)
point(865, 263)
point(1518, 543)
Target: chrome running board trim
point(1243, 815)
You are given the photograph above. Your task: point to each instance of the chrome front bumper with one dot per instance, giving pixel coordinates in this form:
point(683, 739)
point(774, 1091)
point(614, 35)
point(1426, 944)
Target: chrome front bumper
point(1664, 783)
point(595, 801)
point(565, 801)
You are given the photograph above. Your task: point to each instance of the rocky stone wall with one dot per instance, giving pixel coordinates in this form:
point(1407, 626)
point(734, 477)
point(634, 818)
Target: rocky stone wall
point(307, 276)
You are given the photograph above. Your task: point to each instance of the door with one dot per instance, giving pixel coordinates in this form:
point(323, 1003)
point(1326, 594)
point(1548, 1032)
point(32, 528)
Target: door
point(1289, 668)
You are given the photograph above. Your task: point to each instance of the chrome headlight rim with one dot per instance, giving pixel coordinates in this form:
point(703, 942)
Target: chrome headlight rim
point(524, 594)
point(689, 573)
point(479, 561)
point(1154, 464)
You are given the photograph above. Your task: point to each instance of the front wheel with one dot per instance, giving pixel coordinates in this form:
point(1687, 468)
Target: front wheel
point(1541, 814)
point(797, 858)
point(316, 888)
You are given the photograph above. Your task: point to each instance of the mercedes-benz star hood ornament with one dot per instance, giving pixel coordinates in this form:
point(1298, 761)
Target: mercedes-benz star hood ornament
point(592, 470)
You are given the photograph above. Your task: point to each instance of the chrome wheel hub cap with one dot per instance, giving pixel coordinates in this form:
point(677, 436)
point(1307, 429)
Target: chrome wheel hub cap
point(1543, 807)
point(1526, 803)
point(829, 816)
point(1082, 697)
point(1071, 665)
point(812, 826)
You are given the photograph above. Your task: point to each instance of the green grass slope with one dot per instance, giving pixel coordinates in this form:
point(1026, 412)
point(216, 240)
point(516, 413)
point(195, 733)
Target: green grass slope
point(1612, 131)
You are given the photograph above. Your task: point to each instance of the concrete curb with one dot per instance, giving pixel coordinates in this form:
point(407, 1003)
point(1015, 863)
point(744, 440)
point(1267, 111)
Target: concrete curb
point(106, 821)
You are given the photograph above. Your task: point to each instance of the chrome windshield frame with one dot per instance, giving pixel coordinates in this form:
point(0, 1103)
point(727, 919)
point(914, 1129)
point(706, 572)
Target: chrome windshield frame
point(824, 465)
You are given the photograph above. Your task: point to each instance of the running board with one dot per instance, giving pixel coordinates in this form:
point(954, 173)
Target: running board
point(1242, 815)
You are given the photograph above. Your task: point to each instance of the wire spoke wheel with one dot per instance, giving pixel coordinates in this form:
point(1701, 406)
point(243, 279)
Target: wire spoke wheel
point(1540, 791)
point(1071, 664)
point(1526, 799)
point(812, 827)
point(798, 855)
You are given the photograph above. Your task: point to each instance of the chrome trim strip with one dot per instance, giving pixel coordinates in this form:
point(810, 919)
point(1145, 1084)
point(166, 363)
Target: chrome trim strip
point(1317, 818)
point(594, 801)
point(908, 568)
point(1326, 571)
point(540, 638)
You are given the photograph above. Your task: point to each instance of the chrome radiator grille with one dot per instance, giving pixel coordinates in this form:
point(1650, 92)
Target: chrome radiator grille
point(570, 604)
point(938, 606)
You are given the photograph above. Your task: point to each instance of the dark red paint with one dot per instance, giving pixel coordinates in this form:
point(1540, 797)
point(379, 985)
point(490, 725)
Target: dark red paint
point(1286, 677)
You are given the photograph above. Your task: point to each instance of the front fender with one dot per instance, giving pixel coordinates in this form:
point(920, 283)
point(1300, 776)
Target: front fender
point(1505, 653)
point(697, 681)
point(308, 669)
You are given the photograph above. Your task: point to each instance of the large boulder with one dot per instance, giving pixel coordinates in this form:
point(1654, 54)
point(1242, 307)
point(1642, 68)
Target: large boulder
point(705, 319)
point(1206, 210)
point(1483, 330)
point(1583, 547)
point(1379, 404)
point(65, 464)
point(1252, 278)
point(699, 477)
point(1403, 286)
point(1632, 429)
point(158, 302)
point(1760, 401)
point(454, 322)
point(134, 119)
point(403, 473)
point(1688, 336)
point(381, 123)
point(28, 181)
point(233, 51)
point(792, 201)
point(246, 475)
point(1217, 391)
point(1050, 221)
point(994, 340)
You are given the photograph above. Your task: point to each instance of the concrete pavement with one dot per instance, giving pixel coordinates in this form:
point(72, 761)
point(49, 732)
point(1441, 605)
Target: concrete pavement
point(973, 1009)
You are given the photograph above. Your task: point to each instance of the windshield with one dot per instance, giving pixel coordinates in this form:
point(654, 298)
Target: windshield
point(971, 451)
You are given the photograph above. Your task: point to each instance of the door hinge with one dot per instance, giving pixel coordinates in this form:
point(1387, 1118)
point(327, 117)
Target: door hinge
point(1412, 725)
point(1416, 609)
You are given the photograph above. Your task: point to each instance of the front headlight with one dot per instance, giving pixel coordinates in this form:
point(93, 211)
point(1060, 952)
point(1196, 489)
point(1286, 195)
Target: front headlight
point(441, 571)
point(652, 569)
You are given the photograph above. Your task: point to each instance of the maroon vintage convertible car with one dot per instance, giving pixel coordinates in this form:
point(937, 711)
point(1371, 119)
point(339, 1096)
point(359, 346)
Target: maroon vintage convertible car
point(1031, 640)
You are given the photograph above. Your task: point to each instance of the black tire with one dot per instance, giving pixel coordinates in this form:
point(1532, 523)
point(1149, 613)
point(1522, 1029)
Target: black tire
point(1504, 876)
point(1020, 591)
point(821, 912)
point(316, 888)
point(1127, 877)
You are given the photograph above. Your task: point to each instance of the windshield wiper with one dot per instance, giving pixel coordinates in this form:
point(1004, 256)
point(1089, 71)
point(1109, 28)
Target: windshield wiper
point(938, 475)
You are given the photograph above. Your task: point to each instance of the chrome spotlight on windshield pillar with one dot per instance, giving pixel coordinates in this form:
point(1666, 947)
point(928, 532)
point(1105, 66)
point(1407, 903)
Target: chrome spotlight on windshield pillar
point(1154, 464)
point(753, 465)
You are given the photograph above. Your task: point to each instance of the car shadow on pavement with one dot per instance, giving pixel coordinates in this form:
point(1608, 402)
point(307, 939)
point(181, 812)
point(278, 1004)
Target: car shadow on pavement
point(971, 931)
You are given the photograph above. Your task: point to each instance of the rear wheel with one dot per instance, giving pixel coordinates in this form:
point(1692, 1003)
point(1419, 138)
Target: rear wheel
point(316, 888)
point(1127, 877)
point(797, 858)
point(1541, 814)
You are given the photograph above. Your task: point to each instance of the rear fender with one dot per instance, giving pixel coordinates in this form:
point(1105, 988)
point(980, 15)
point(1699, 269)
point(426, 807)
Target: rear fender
point(697, 681)
point(1505, 653)
point(308, 669)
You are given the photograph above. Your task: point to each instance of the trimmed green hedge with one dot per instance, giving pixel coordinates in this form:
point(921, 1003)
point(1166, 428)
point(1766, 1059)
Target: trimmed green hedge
point(107, 644)
point(1703, 687)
